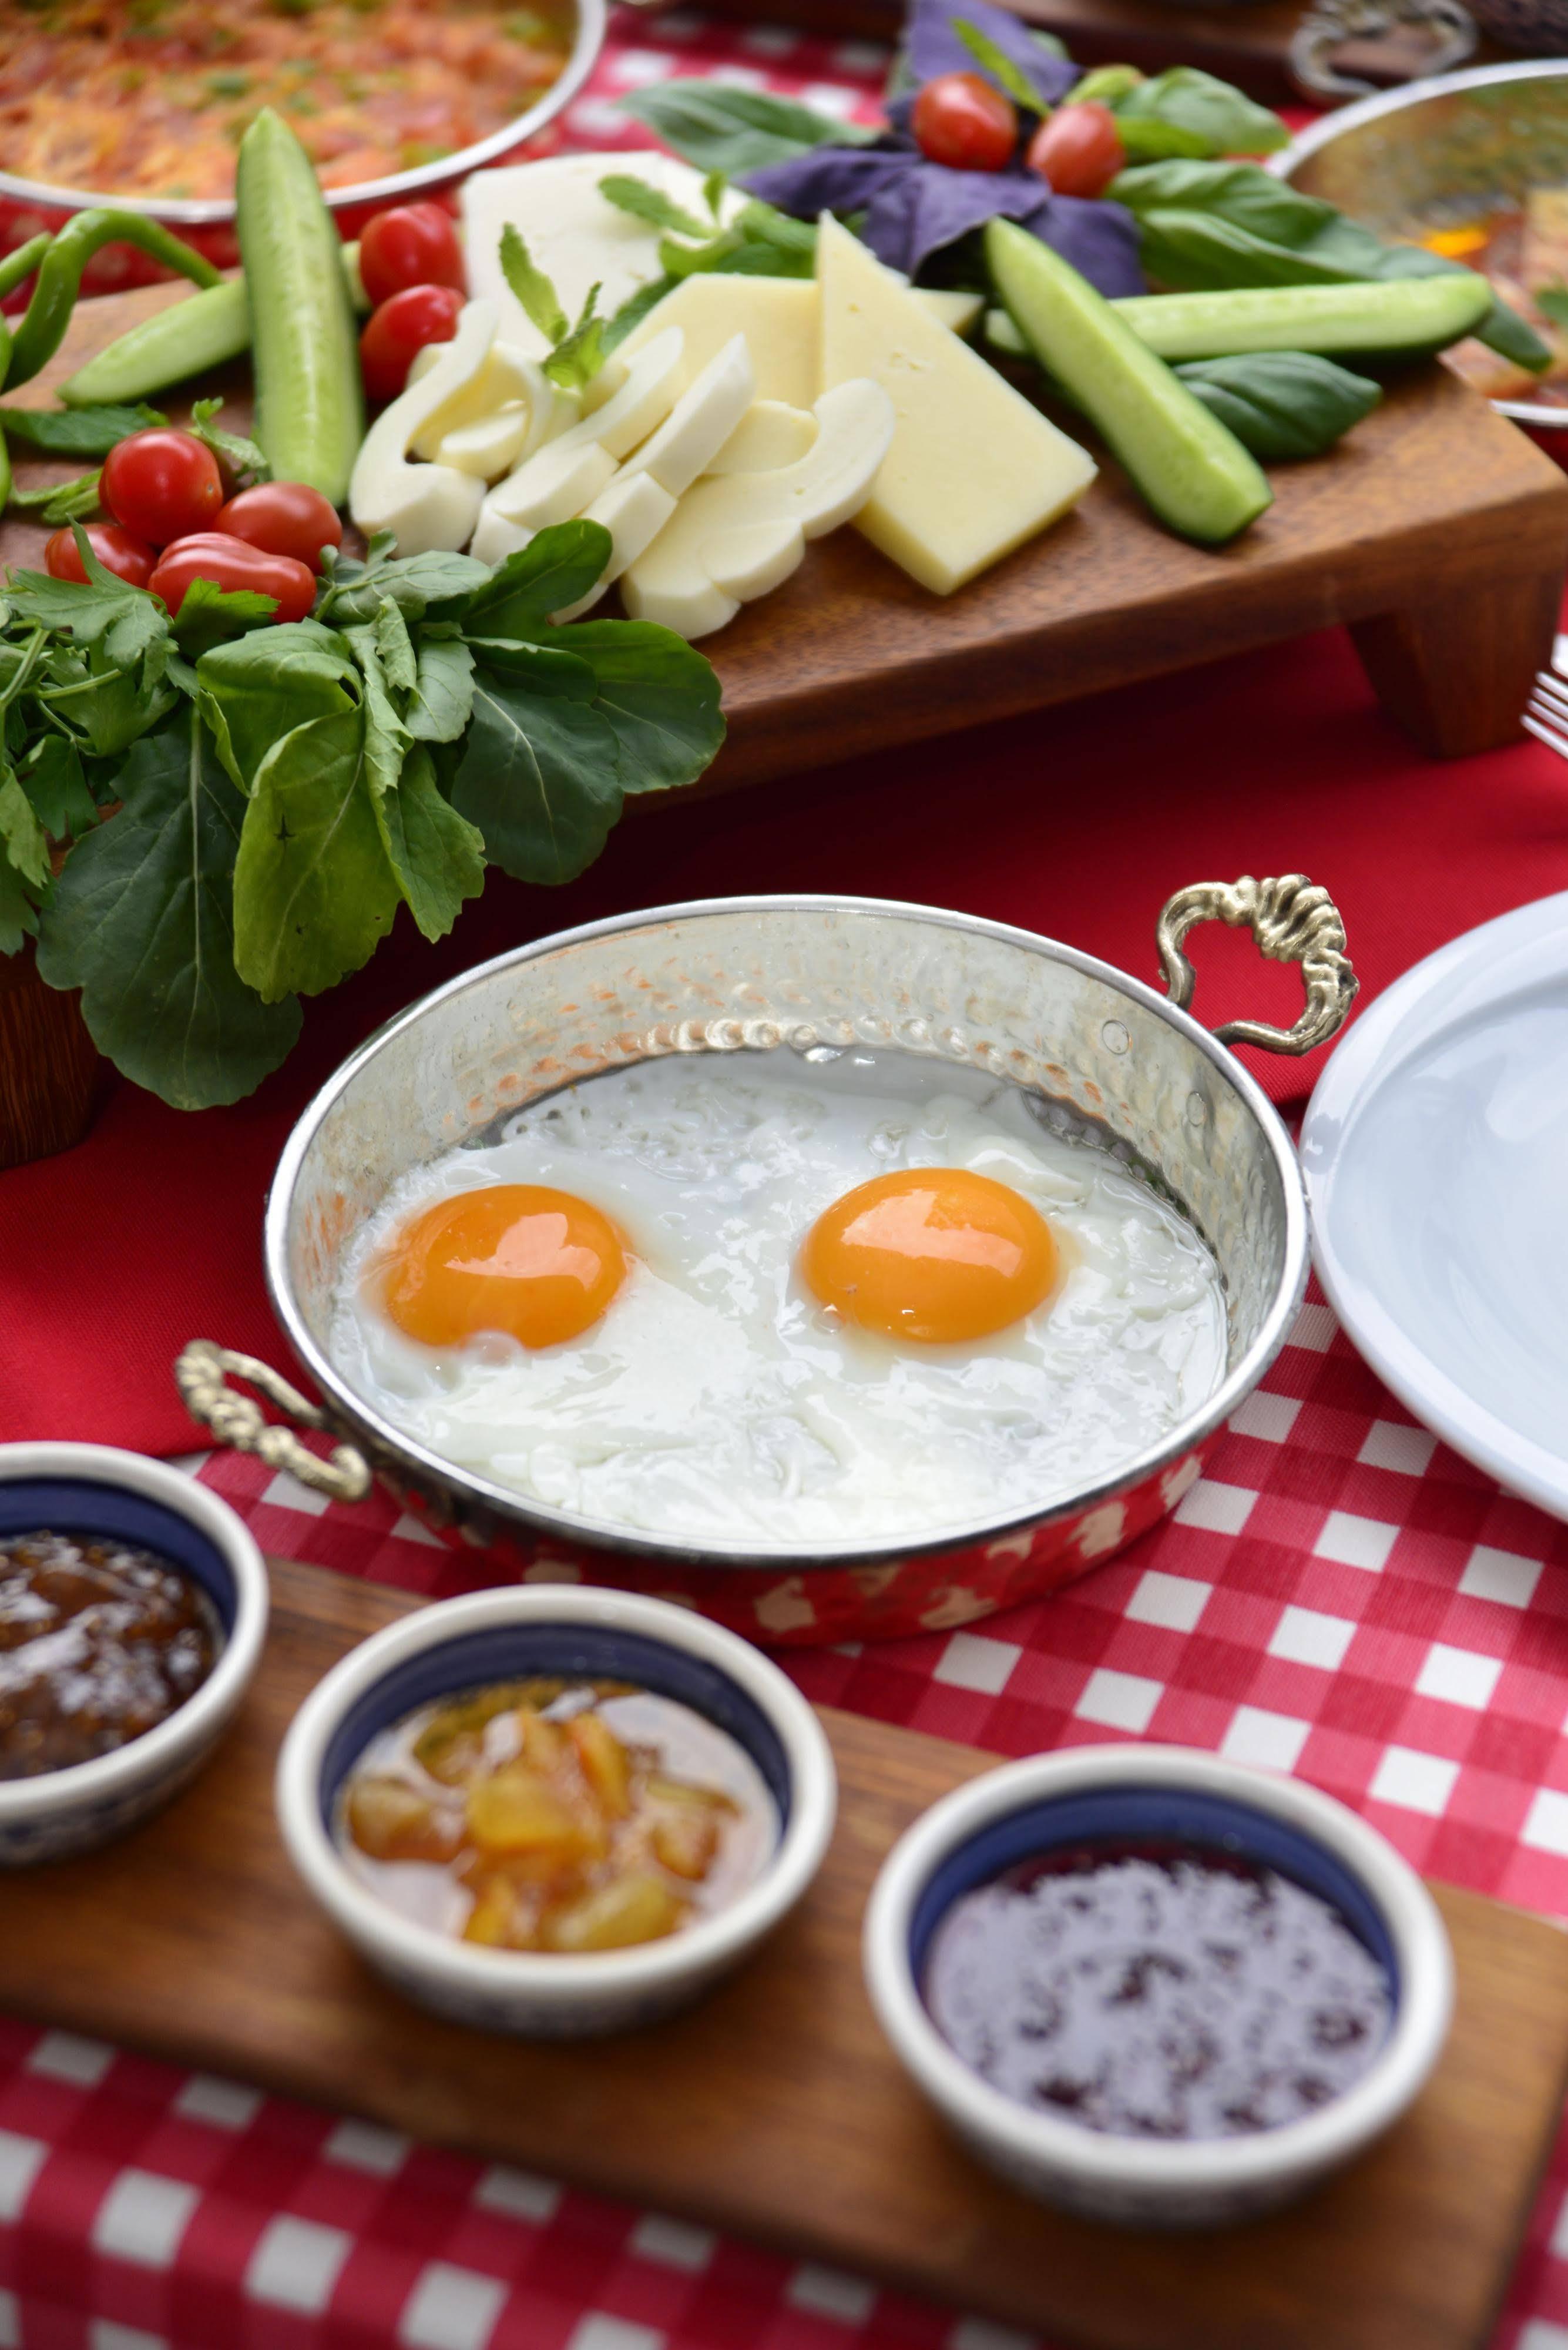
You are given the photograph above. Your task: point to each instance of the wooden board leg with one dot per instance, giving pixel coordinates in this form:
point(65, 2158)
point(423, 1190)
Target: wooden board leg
point(1457, 673)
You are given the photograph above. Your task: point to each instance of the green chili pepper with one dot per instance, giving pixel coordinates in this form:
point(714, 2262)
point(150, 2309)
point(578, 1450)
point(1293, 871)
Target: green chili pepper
point(42, 330)
point(13, 268)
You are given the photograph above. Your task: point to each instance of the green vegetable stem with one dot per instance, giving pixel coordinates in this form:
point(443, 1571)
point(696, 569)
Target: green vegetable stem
point(60, 267)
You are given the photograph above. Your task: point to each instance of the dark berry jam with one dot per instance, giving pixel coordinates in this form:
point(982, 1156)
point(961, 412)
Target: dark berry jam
point(1157, 1989)
point(98, 1643)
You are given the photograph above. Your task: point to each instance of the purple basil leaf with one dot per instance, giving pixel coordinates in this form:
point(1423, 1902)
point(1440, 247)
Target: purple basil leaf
point(831, 179)
point(932, 47)
point(1097, 239)
point(930, 206)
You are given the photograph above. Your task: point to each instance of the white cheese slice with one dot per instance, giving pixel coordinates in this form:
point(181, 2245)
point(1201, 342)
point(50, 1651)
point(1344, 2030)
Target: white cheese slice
point(973, 469)
point(507, 379)
point(491, 445)
point(426, 506)
point(577, 237)
point(560, 478)
point(777, 316)
point(769, 434)
point(735, 537)
point(634, 510)
point(700, 421)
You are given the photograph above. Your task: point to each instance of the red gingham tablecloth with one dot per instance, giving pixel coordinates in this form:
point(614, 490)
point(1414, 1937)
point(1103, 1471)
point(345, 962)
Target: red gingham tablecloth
point(1339, 1597)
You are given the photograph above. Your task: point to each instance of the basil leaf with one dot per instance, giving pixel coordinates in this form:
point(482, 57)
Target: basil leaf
point(1222, 119)
point(1282, 404)
point(735, 130)
point(315, 893)
point(140, 919)
point(443, 691)
point(438, 857)
point(532, 288)
point(558, 565)
point(996, 62)
point(659, 695)
point(538, 776)
point(76, 432)
point(646, 202)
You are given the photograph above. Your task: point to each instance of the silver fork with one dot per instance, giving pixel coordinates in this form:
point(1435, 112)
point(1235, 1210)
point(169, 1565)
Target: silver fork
point(1545, 715)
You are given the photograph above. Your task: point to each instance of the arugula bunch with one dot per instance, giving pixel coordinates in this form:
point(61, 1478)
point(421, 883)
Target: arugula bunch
point(274, 794)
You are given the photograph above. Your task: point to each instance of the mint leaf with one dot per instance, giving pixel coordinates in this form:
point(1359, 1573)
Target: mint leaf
point(646, 202)
point(714, 188)
point(532, 288)
point(243, 460)
point(578, 357)
point(140, 919)
point(437, 855)
point(315, 893)
point(998, 64)
point(538, 772)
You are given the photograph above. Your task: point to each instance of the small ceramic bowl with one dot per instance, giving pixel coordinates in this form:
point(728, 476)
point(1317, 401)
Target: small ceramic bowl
point(90, 1489)
point(1027, 1808)
point(502, 1636)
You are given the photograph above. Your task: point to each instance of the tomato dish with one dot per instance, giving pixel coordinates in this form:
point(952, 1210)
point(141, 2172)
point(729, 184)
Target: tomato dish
point(150, 98)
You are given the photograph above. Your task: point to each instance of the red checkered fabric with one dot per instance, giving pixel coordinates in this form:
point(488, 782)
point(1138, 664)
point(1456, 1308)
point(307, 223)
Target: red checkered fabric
point(1339, 1597)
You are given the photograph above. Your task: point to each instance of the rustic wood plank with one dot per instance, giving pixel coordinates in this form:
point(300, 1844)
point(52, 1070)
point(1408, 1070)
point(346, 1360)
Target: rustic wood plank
point(1433, 500)
point(775, 2109)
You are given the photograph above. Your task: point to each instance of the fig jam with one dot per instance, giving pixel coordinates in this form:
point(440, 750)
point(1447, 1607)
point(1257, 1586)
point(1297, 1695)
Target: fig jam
point(98, 1643)
point(1157, 1989)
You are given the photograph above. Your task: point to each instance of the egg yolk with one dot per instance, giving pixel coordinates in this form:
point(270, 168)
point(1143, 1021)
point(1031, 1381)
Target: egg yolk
point(540, 1264)
point(932, 1253)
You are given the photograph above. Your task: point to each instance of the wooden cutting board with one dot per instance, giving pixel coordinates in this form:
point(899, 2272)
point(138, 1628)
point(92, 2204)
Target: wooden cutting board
point(777, 2109)
point(1435, 530)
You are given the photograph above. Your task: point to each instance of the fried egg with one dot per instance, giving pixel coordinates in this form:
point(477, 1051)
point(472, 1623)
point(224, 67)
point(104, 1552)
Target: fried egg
point(776, 1300)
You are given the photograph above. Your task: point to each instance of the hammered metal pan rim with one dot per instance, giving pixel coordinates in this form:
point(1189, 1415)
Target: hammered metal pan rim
point(350, 1412)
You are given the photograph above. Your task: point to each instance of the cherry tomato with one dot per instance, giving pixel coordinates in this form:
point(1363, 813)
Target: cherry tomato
point(232, 563)
point(961, 120)
point(403, 325)
point(284, 518)
point(128, 557)
point(162, 485)
point(1078, 149)
point(411, 244)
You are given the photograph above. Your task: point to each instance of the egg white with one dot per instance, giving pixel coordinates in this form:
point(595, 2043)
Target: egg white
point(716, 1399)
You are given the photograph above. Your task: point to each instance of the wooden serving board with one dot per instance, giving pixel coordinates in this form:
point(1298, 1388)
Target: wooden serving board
point(777, 2109)
point(1437, 531)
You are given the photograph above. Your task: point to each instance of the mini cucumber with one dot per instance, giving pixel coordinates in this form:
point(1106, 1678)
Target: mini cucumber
point(1194, 474)
point(1411, 315)
point(309, 407)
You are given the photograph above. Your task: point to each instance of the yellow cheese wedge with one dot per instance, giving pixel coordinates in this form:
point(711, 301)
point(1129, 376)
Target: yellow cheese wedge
point(973, 470)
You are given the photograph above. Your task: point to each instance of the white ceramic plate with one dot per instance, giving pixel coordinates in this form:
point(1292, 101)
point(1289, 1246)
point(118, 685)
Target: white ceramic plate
point(1435, 1156)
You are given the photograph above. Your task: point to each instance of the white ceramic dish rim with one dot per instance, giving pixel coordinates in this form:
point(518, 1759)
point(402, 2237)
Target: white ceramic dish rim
point(191, 1725)
point(514, 1506)
point(1356, 1068)
point(1191, 2167)
point(1330, 127)
point(398, 187)
point(556, 1978)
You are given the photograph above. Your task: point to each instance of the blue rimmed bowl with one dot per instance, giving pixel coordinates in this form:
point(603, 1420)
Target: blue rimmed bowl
point(507, 1635)
point(1030, 1808)
point(91, 1489)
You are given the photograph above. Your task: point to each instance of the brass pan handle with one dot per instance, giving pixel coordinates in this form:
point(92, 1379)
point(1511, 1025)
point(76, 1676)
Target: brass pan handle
point(1292, 920)
point(202, 1374)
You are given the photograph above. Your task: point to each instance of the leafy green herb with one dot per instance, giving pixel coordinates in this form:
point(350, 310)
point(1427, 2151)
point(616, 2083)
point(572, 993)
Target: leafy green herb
point(657, 694)
point(646, 202)
point(537, 777)
point(1210, 225)
point(436, 855)
point(998, 64)
point(209, 615)
point(760, 242)
point(62, 502)
point(1282, 404)
point(442, 701)
point(315, 893)
point(1108, 84)
point(1552, 301)
point(140, 919)
point(538, 296)
point(1187, 112)
point(713, 191)
point(580, 355)
point(243, 459)
point(76, 432)
point(736, 130)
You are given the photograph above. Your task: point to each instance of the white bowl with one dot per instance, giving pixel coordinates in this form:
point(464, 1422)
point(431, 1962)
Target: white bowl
point(1025, 1808)
point(500, 1635)
point(92, 1489)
